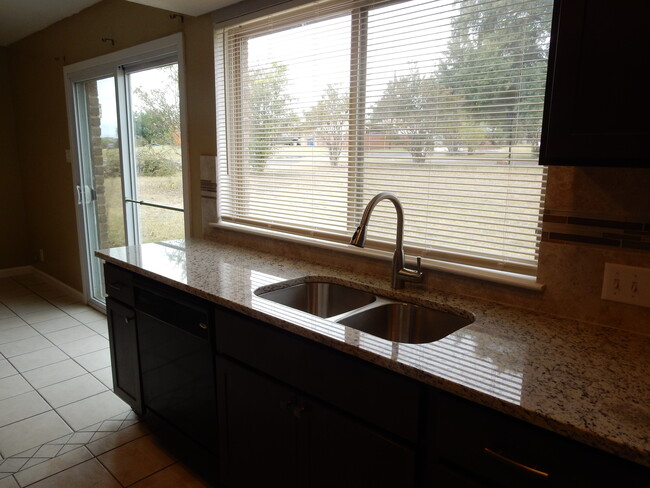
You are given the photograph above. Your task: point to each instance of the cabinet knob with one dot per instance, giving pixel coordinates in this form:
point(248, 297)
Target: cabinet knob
point(203, 326)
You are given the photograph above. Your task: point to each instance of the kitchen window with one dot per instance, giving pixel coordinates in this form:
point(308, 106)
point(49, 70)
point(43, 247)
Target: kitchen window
point(324, 105)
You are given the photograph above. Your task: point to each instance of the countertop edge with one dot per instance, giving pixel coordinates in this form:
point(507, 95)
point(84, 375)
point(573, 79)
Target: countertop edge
point(537, 418)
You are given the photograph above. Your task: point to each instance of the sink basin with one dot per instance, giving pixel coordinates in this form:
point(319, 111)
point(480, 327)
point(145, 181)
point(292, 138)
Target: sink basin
point(320, 298)
point(404, 322)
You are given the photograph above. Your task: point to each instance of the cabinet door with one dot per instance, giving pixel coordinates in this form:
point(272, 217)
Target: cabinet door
point(123, 339)
point(345, 453)
point(597, 99)
point(258, 425)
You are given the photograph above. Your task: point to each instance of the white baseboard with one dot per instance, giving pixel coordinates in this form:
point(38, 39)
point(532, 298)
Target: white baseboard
point(23, 270)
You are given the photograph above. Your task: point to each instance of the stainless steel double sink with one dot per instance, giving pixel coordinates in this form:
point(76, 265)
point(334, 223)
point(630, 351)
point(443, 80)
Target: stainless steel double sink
point(367, 312)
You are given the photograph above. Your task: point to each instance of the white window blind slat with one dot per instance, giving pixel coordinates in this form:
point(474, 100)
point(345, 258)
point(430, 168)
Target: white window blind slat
point(323, 106)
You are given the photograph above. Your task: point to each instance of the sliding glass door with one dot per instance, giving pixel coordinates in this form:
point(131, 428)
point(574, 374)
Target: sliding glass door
point(129, 157)
point(99, 191)
point(156, 184)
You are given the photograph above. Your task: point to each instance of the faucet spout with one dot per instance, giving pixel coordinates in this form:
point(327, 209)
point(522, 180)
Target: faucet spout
point(400, 272)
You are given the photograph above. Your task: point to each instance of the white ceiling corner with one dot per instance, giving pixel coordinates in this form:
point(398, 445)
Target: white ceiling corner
point(20, 18)
point(187, 7)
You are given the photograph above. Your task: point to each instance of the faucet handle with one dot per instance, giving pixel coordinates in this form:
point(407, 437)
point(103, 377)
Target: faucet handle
point(419, 263)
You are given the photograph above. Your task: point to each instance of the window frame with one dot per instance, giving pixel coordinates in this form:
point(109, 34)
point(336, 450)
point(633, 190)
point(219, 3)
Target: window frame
point(224, 61)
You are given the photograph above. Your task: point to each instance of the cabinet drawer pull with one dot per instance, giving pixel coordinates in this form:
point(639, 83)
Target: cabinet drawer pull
point(203, 326)
point(117, 286)
point(507, 460)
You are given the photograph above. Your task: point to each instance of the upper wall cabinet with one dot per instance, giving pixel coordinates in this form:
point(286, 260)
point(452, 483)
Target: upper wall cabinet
point(597, 110)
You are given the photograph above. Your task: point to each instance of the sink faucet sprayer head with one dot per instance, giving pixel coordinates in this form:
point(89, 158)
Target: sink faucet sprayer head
point(359, 236)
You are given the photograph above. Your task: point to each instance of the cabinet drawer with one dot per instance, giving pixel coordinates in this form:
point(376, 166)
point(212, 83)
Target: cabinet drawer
point(119, 283)
point(381, 397)
point(512, 453)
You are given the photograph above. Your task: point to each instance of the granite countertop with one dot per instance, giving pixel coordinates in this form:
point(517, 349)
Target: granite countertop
point(583, 381)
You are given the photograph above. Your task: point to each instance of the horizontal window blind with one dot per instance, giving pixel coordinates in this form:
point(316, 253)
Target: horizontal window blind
point(440, 102)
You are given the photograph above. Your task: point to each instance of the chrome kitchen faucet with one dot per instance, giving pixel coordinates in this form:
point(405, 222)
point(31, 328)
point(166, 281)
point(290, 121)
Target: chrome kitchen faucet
point(400, 273)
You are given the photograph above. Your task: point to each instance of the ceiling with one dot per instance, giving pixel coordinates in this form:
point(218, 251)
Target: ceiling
point(20, 18)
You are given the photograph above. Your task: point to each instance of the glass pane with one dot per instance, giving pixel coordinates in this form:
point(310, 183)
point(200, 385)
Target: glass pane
point(458, 116)
point(159, 224)
point(294, 105)
point(103, 166)
point(100, 190)
point(157, 150)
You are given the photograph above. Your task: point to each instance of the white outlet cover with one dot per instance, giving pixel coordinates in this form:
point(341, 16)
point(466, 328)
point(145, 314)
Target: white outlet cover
point(626, 284)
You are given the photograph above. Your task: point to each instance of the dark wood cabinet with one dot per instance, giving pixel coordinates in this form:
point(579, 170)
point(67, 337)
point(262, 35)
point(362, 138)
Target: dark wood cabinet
point(123, 340)
point(597, 98)
point(258, 429)
point(487, 447)
point(275, 435)
point(297, 419)
point(123, 336)
point(347, 453)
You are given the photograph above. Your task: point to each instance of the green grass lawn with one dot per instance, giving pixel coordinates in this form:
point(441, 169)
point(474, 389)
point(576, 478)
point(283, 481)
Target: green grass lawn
point(156, 224)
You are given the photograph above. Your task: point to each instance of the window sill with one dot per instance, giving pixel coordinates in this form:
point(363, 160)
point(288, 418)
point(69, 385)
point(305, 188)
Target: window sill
point(485, 274)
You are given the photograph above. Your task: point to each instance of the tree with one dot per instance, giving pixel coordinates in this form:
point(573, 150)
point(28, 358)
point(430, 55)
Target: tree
point(268, 112)
point(406, 114)
point(328, 119)
point(158, 118)
point(495, 62)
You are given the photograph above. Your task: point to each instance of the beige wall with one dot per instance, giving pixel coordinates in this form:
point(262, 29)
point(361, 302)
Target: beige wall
point(41, 123)
point(13, 249)
point(571, 272)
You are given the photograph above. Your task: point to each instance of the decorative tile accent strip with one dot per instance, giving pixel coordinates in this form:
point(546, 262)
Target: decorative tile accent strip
point(625, 234)
point(69, 442)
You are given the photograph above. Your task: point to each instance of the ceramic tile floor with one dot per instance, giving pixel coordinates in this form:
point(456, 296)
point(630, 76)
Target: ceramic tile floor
point(60, 423)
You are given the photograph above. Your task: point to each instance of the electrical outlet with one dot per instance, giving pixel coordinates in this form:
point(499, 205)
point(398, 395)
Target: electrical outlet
point(626, 284)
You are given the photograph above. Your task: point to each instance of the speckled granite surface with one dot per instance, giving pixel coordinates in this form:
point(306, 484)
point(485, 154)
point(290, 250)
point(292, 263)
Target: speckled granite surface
point(580, 380)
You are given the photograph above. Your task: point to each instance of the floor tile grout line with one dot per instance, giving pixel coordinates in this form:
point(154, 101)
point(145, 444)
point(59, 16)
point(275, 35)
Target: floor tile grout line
point(110, 472)
point(53, 407)
point(53, 304)
point(45, 366)
point(69, 357)
point(96, 457)
point(54, 474)
point(30, 416)
point(122, 421)
point(76, 401)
